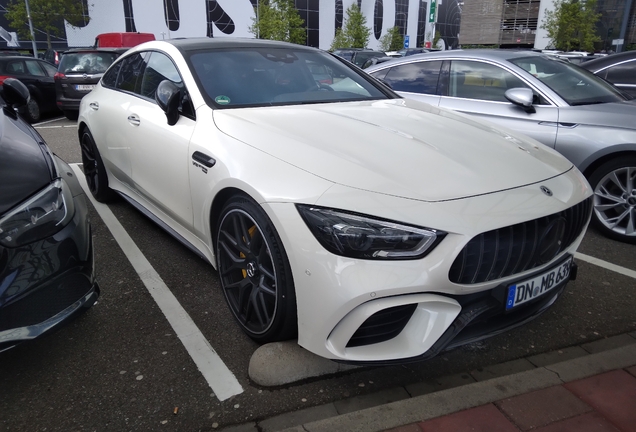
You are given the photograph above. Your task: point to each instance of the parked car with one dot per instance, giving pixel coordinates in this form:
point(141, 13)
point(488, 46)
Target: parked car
point(374, 228)
point(557, 103)
point(37, 75)
point(619, 69)
point(46, 250)
point(52, 56)
point(358, 56)
point(79, 70)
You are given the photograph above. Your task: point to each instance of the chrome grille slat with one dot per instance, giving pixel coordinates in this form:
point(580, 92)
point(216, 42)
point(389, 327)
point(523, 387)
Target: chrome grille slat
point(514, 249)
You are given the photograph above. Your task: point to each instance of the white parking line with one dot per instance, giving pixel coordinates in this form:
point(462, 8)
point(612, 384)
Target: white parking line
point(219, 377)
point(606, 265)
point(48, 121)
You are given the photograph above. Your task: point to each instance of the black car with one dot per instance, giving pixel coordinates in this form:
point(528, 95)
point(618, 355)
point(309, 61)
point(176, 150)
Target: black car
point(46, 250)
point(619, 69)
point(38, 76)
point(79, 71)
point(358, 56)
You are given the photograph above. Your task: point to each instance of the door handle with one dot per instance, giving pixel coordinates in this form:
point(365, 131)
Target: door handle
point(203, 159)
point(133, 119)
point(94, 106)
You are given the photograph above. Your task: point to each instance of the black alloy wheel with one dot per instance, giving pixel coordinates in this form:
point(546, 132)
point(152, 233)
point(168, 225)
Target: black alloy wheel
point(94, 170)
point(255, 272)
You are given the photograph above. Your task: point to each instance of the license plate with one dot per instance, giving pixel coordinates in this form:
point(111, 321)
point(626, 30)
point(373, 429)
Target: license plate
point(85, 87)
point(537, 286)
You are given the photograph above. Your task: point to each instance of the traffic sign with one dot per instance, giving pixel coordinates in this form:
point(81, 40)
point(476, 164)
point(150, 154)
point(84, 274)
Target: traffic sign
point(406, 41)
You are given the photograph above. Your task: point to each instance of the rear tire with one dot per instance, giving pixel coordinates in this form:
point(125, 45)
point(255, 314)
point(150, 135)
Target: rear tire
point(614, 185)
point(94, 170)
point(33, 113)
point(255, 273)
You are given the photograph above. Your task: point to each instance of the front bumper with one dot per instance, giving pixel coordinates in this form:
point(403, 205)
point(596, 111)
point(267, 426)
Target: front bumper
point(337, 296)
point(46, 283)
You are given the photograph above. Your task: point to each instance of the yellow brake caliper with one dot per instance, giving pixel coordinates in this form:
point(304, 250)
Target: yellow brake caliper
point(241, 254)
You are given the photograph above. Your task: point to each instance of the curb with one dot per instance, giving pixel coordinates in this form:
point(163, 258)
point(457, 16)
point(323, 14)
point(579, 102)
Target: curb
point(395, 407)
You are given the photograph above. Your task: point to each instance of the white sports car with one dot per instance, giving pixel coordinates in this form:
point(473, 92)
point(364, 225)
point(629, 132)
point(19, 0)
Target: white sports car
point(373, 228)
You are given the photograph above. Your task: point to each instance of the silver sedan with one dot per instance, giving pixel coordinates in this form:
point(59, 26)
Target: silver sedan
point(559, 104)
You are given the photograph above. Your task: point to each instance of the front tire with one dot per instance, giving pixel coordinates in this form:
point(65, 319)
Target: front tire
point(255, 273)
point(614, 185)
point(94, 170)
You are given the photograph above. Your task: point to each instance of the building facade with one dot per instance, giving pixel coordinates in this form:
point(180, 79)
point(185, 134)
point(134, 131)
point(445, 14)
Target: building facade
point(505, 23)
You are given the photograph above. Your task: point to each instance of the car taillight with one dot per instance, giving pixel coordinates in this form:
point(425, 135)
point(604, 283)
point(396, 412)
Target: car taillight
point(3, 77)
point(59, 75)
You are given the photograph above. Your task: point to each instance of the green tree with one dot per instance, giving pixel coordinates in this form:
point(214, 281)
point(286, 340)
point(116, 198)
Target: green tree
point(392, 40)
point(355, 33)
point(47, 16)
point(572, 25)
point(278, 20)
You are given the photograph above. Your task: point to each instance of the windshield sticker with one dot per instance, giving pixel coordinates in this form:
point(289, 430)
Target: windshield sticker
point(222, 100)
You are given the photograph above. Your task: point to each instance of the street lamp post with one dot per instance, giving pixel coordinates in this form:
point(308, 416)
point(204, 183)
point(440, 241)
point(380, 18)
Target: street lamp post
point(28, 11)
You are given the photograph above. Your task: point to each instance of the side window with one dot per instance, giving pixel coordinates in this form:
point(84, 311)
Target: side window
point(34, 68)
point(159, 68)
point(16, 67)
point(476, 80)
point(420, 77)
point(380, 74)
point(50, 69)
point(110, 77)
point(130, 74)
point(622, 73)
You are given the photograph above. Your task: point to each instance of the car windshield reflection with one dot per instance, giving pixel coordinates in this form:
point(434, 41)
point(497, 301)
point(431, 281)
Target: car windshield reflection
point(263, 77)
point(575, 85)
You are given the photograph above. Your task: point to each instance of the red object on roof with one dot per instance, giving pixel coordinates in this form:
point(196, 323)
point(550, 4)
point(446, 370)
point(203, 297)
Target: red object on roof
point(122, 39)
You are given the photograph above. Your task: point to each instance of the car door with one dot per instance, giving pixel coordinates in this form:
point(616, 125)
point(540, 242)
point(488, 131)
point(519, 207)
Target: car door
point(119, 86)
point(44, 73)
point(416, 80)
point(623, 76)
point(158, 151)
point(477, 88)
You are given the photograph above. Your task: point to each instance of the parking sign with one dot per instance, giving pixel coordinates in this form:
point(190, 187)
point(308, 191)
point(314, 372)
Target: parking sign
point(406, 41)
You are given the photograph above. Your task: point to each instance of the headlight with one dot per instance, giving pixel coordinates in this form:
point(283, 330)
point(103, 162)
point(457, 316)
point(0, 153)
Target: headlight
point(39, 217)
point(358, 236)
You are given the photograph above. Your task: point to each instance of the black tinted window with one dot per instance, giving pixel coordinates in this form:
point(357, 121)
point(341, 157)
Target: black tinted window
point(159, 68)
point(130, 73)
point(420, 77)
point(110, 77)
point(624, 73)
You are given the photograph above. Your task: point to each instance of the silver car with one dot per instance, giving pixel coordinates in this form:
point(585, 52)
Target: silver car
point(559, 104)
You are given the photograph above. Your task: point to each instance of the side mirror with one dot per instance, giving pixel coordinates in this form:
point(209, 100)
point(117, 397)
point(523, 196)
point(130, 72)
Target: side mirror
point(15, 93)
point(168, 96)
point(521, 97)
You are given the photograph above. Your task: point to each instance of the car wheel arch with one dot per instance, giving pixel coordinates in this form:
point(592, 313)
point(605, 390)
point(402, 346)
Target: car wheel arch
point(589, 168)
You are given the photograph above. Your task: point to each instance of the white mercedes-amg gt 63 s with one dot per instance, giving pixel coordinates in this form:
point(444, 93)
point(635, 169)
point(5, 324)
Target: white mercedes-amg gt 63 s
point(373, 228)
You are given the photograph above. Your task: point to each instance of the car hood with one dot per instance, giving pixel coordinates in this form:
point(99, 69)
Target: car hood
point(23, 168)
point(615, 114)
point(396, 147)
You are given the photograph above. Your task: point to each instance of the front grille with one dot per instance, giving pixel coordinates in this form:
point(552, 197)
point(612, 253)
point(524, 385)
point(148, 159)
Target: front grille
point(382, 326)
point(517, 248)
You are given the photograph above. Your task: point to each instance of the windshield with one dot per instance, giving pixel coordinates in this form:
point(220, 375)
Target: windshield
point(242, 77)
point(575, 85)
point(87, 62)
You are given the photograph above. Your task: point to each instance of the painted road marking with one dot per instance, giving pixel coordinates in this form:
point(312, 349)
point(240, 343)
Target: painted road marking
point(48, 121)
point(606, 265)
point(219, 377)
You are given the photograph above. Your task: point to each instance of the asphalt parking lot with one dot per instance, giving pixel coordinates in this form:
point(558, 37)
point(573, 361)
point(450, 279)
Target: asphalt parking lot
point(125, 365)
